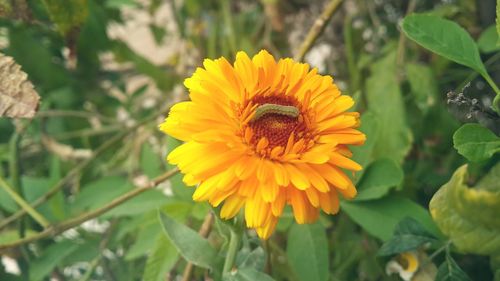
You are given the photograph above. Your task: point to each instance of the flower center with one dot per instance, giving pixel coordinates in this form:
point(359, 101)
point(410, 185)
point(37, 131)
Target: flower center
point(275, 120)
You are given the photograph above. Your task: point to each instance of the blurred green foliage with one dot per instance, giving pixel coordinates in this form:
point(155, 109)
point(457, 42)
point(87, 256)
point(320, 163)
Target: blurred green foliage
point(102, 86)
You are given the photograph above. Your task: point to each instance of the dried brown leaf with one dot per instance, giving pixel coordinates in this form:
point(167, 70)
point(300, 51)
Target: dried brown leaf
point(18, 98)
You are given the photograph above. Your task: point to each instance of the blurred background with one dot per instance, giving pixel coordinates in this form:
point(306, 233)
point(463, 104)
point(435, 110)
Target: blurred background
point(107, 72)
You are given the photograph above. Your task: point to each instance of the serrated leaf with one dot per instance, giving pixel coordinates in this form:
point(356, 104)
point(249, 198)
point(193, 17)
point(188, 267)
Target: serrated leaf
point(469, 216)
point(307, 251)
point(189, 243)
point(445, 38)
point(161, 260)
point(379, 178)
point(409, 234)
point(475, 142)
point(380, 217)
point(450, 271)
point(18, 98)
point(393, 137)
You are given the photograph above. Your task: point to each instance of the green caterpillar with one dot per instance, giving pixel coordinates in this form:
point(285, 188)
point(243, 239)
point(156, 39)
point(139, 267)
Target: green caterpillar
point(271, 108)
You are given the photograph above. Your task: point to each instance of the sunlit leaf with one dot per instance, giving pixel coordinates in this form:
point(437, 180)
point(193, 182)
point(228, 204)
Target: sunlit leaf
point(445, 38)
point(469, 215)
point(475, 142)
point(307, 251)
point(189, 243)
point(18, 98)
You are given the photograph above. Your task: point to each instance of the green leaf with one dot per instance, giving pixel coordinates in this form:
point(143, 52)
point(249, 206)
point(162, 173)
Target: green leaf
point(161, 260)
point(380, 217)
point(495, 266)
point(34, 188)
point(13, 235)
point(488, 41)
point(248, 274)
point(100, 192)
point(363, 154)
point(145, 241)
point(36, 59)
point(179, 189)
point(151, 162)
point(469, 215)
point(68, 15)
point(475, 142)
point(142, 203)
point(445, 38)
point(307, 251)
point(50, 258)
point(423, 85)
point(6, 202)
point(498, 17)
point(378, 179)
point(189, 243)
point(409, 234)
point(382, 92)
point(121, 3)
point(255, 259)
point(450, 271)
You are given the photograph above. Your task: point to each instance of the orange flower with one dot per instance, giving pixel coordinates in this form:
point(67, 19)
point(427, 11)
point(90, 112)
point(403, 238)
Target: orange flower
point(262, 134)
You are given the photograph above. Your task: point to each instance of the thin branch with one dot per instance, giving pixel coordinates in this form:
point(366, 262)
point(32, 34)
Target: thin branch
point(82, 165)
point(205, 229)
point(70, 223)
point(317, 29)
point(23, 204)
point(88, 132)
point(73, 113)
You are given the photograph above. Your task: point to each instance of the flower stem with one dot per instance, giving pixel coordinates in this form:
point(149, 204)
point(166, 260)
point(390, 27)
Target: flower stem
point(234, 243)
point(496, 100)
